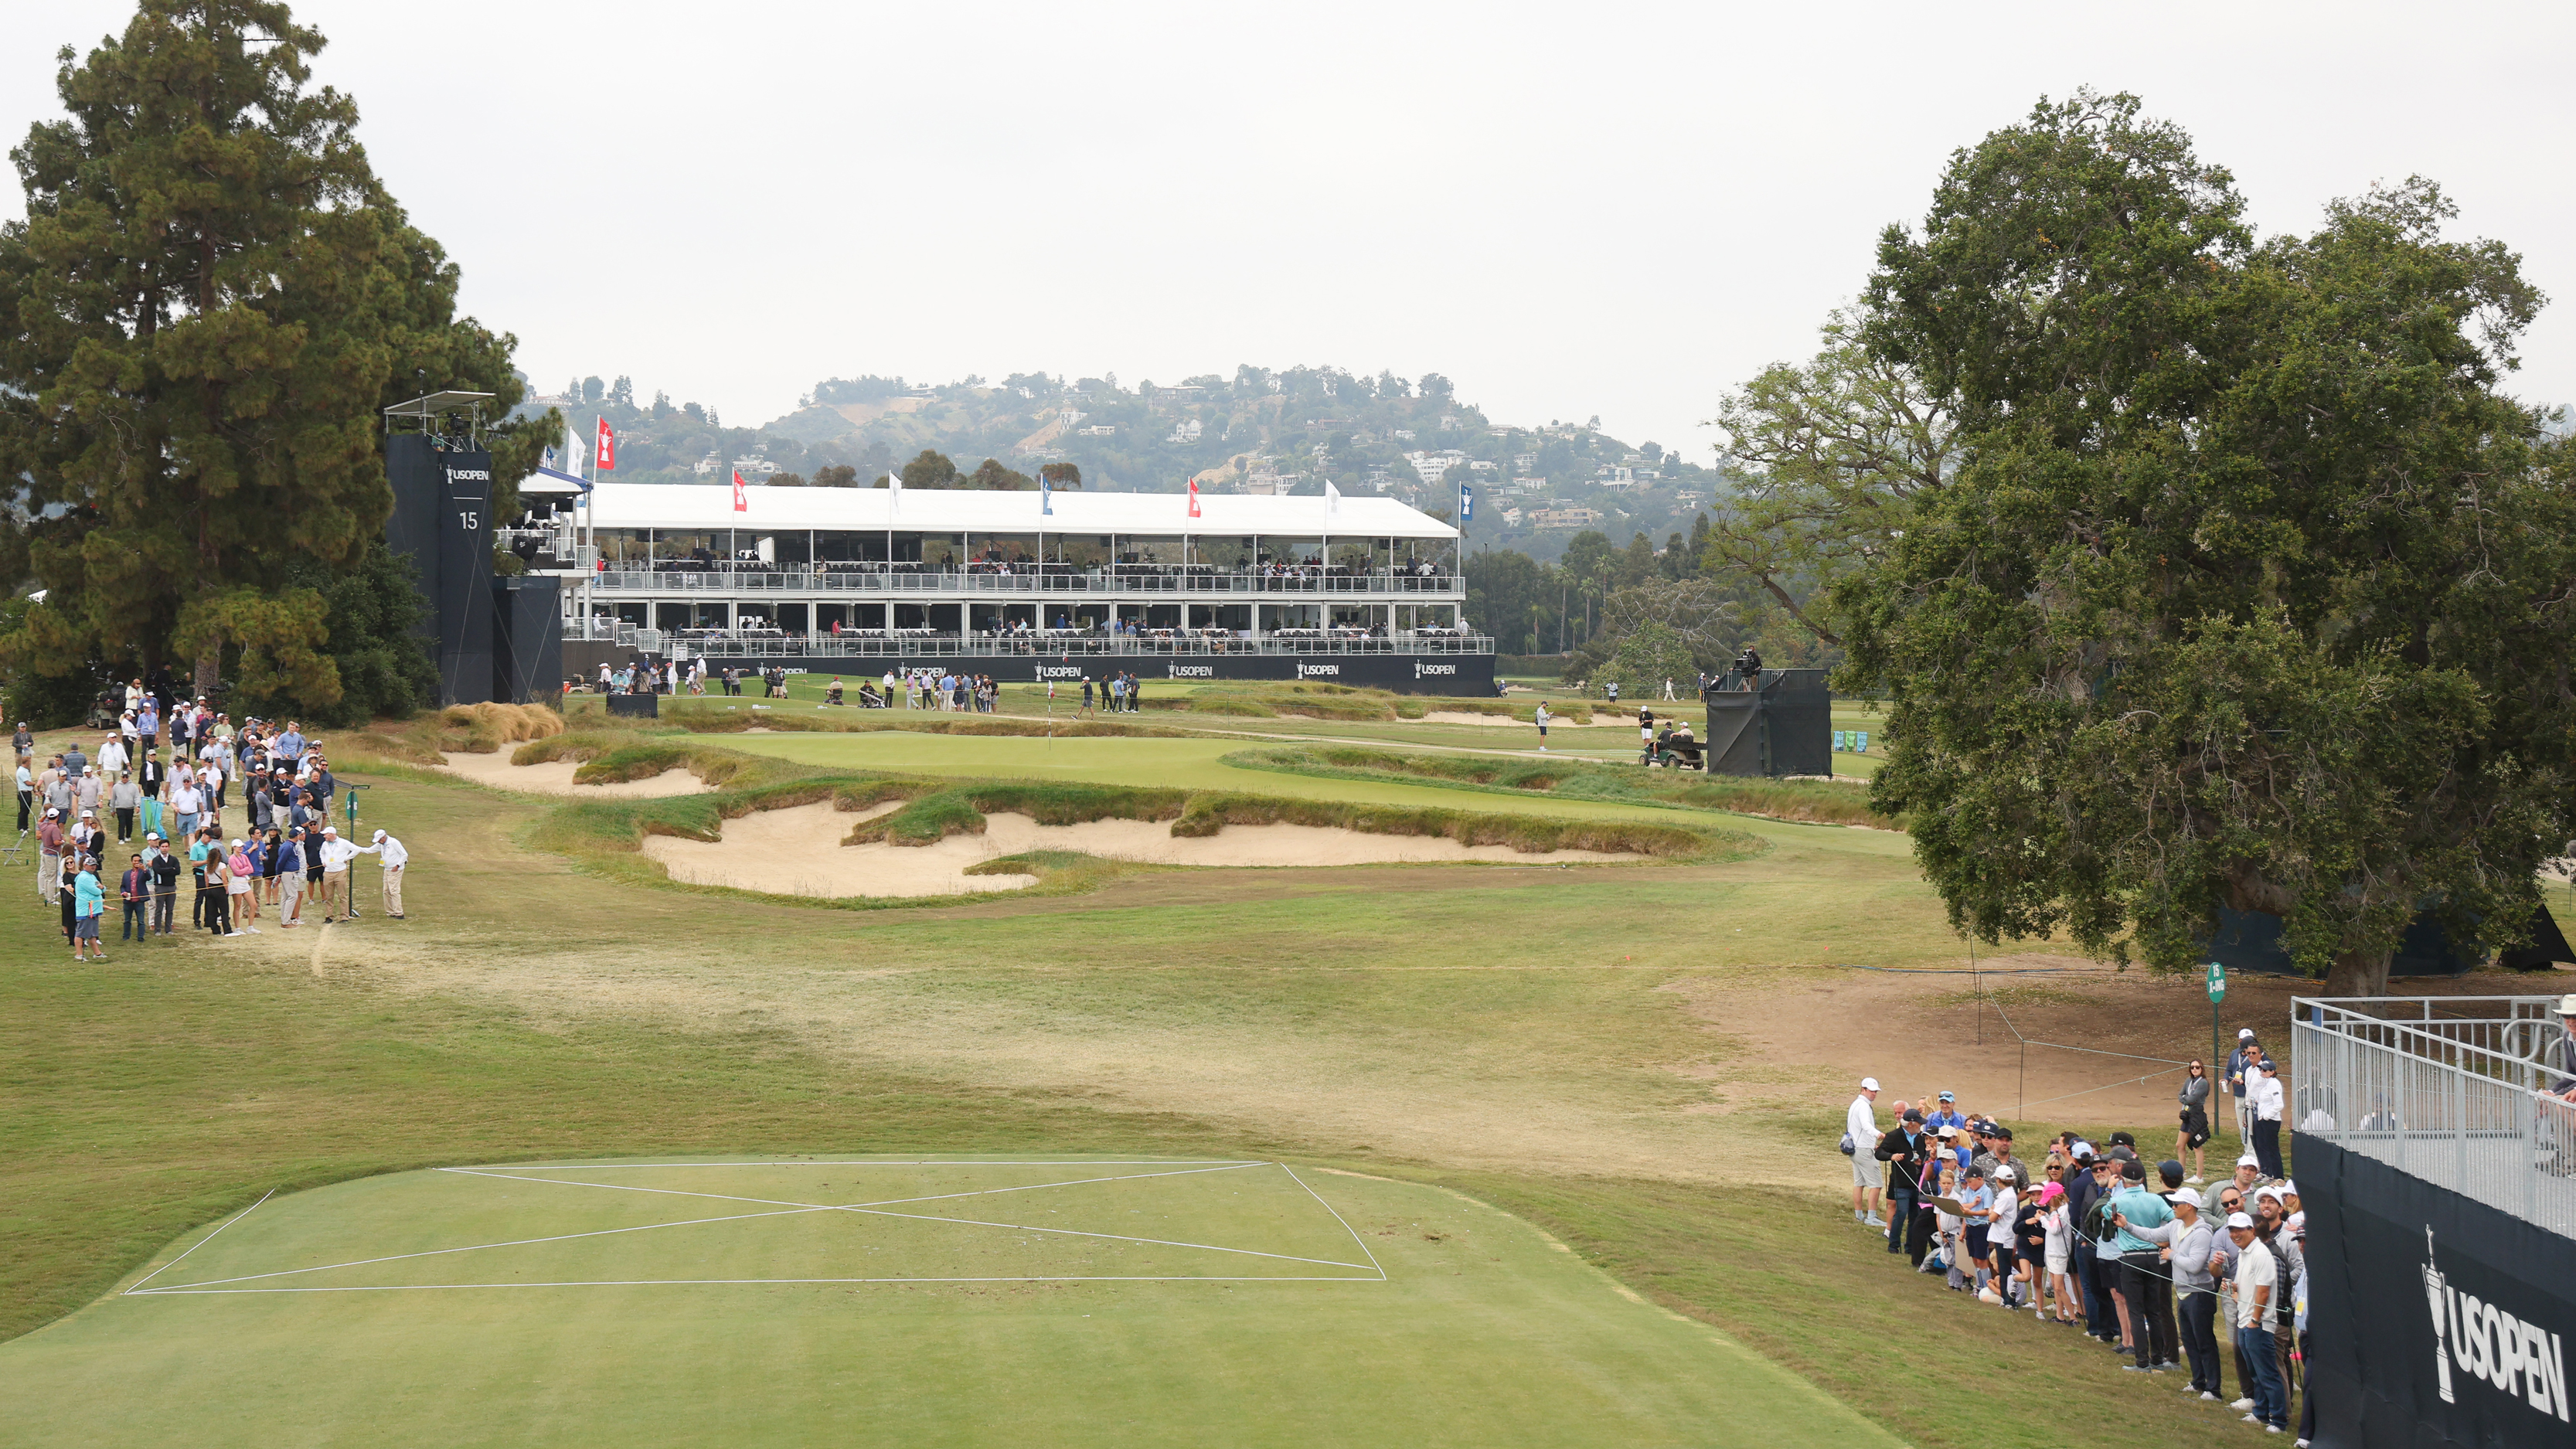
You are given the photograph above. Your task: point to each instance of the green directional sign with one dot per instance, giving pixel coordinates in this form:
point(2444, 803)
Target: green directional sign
point(2217, 983)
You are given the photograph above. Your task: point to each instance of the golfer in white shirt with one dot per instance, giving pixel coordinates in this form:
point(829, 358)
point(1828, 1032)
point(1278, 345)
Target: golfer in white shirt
point(390, 851)
point(336, 855)
point(1861, 1121)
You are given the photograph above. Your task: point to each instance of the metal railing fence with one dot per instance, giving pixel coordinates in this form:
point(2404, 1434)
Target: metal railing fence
point(2453, 1090)
point(737, 580)
point(1032, 646)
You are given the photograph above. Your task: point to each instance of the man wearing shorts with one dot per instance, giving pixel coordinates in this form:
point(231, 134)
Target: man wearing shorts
point(1542, 744)
point(89, 902)
point(1860, 1120)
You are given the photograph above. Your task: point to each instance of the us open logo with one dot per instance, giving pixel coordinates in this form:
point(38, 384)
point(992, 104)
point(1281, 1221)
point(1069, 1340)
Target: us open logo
point(1192, 671)
point(2515, 1355)
point(1059, 671)
point(1420, 669)
point(1309, 671)
point(469, 475)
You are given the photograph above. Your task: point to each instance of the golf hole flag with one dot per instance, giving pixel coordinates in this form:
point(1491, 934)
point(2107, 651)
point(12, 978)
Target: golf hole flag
point(741, 500)
point(606, 452)
point(1194, 498)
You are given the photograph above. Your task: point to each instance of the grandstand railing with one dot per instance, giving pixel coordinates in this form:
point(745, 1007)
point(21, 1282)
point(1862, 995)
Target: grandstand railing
point(1126, 579)
point(906, 644)
point(2453, 1090)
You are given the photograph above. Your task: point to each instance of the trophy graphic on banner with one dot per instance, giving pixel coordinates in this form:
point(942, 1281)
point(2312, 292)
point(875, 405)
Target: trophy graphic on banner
point(2436, 1292)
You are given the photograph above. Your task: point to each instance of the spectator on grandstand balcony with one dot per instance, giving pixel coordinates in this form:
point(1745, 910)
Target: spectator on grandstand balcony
point(2559, 1057)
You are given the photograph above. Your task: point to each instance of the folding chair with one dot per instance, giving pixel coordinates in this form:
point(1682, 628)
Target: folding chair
point(9, 853)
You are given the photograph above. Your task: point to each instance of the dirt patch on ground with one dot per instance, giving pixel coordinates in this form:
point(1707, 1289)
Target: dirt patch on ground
point(799, 852)
point(554, 777)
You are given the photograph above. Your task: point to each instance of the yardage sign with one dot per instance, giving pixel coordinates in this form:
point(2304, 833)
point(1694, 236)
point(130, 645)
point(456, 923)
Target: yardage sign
point(2217, 982)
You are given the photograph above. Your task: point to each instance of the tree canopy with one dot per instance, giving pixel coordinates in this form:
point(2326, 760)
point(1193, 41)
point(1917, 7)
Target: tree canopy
point(2247, 585)
point(213, 300)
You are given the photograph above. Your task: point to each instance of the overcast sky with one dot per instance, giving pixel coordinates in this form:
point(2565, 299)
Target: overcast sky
point(1568, 210)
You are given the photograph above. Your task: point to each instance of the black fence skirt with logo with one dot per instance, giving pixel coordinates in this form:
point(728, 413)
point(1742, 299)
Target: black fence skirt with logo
point(1470, 675)
point(2434, 1319)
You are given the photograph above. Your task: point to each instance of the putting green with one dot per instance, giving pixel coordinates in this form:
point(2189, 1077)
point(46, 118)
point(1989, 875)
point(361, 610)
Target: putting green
point(1198, 764)
point(882, 1300)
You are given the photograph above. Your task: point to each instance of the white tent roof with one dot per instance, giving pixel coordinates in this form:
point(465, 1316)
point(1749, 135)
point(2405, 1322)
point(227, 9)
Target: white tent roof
point(955, 510)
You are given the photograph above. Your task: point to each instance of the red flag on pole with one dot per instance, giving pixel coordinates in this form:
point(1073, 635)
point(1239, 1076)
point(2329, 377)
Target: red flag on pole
point(1194, 498)
point(741, 500)
point(606, 452)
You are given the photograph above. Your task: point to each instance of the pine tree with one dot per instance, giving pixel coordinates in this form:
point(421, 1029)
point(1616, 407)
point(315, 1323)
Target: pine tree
point(214, 300)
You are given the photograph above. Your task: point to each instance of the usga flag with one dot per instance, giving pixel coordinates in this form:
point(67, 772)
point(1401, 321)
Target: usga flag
point(1332, 501)
point(607, 453)
point(1466, 504)
point(741, 500)
point(1194, 498)
point(1046, 495)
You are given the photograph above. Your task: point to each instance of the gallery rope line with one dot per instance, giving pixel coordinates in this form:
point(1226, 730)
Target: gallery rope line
point(2021, 1072)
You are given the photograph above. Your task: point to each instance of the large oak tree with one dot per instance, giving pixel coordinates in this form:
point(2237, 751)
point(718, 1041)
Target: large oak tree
point(213, 298)
point(2250, 586)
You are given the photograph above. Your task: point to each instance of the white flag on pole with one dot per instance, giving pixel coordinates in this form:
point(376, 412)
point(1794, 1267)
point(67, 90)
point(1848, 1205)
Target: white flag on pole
point(894, 493)
point(1332, 501)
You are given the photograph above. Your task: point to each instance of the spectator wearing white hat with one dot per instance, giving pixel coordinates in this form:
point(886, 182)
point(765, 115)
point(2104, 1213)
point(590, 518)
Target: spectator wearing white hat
point(49, 856)
point(2560, 1055)
point(2249, 1171)
point(2241, 1065)
point(1860, 1132)
point(390, 852)
point(2257, 1281)
point(336, 855)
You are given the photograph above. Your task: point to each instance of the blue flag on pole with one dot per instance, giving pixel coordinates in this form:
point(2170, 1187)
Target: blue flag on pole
point(1046, 495)
point(1466, 504)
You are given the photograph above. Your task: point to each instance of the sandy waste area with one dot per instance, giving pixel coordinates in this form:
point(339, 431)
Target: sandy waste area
point(554, 777)
point(798, 851)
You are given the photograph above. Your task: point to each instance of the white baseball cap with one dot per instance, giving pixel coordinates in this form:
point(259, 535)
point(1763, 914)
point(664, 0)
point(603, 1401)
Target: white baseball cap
point(2289, 1187)
point(2239, 1220)
point(2246, 1033)
point(1869, 1084)
point(2249, 1160)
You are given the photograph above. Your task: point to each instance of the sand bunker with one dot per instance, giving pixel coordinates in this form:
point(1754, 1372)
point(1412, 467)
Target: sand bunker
point(554, 777)
point(798, 852)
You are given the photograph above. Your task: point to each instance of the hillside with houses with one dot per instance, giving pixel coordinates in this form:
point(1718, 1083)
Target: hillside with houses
point(1288, 432)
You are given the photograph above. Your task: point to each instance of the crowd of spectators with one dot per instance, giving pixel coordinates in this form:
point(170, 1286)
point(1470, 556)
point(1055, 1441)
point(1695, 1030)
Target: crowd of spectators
point(2145, 1258)
point(158, 789)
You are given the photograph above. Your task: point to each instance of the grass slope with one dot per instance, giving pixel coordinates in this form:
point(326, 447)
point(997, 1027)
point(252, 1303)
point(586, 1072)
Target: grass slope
point(1516, 1034)
point(1481, 1331)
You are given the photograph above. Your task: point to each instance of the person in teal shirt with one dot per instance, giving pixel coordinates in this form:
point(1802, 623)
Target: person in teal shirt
point(151, 816)
point(2144, 1280)
point(89, 901)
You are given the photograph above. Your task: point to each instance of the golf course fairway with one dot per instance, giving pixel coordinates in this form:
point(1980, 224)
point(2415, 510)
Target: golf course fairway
point(1062, 1301)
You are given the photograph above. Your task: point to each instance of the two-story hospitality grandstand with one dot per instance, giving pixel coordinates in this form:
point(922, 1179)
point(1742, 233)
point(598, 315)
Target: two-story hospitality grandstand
point(1021, 586)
